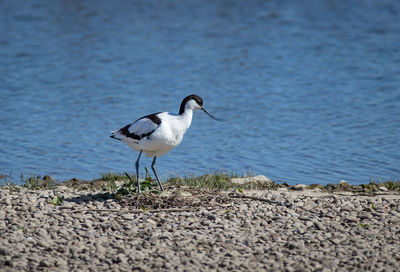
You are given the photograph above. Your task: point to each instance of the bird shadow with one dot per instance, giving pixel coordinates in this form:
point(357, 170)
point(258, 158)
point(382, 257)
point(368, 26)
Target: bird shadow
point(96, 197)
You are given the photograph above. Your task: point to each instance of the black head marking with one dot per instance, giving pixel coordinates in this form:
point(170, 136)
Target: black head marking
point(187, 99)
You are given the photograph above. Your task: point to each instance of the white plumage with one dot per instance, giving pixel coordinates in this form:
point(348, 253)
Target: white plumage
point(158, 139)
point(158, 133)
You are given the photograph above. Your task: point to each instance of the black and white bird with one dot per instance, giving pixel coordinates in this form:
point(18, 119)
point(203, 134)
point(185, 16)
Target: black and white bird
point(158, 133)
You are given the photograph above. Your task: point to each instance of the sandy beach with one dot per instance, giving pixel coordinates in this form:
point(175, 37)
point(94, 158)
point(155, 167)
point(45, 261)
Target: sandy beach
point(187, 229)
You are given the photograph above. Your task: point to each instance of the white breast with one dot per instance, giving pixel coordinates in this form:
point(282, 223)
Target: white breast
point(168, 135)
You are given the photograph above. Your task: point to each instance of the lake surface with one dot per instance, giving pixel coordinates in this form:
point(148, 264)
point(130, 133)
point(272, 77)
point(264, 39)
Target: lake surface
point(310, 89)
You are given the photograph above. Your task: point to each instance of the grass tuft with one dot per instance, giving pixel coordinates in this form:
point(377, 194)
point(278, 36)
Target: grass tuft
point(37, 183)
point(217, 181)
point(129, 187)
point(57, 200)
point(110, 181)
point(392, 184)
point(114, 176)
point(11, 185)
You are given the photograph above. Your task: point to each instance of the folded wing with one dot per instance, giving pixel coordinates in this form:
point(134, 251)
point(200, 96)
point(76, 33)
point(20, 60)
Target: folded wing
point(138, 130)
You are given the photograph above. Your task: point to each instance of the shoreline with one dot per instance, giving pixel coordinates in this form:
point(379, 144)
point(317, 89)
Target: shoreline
point(218, 180)
point(199, 229)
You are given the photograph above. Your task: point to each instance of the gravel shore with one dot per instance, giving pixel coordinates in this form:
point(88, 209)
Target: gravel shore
point(194, 230)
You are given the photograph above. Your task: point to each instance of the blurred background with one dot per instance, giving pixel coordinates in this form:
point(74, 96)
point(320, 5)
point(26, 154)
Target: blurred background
point(310, 89)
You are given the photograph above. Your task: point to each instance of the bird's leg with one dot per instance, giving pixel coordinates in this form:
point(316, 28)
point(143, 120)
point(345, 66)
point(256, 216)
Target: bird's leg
point(137, 172)
point(155, 173)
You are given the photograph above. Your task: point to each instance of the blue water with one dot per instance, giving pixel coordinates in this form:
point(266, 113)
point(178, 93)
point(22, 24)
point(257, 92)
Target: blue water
point(311, 89)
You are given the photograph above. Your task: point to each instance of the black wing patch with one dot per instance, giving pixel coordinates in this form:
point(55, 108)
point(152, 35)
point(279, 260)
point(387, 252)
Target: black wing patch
point(152, 117)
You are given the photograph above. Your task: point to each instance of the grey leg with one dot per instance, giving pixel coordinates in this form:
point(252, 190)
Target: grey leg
point(137, 172)
point(155, 173)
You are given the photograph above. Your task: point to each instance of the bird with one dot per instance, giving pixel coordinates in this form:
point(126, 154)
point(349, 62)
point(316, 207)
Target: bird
point(156, 134)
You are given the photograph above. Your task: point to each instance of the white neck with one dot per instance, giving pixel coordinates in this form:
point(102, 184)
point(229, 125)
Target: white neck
point(187, 117)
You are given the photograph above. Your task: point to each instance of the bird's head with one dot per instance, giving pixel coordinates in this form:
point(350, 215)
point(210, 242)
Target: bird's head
point(195, 102)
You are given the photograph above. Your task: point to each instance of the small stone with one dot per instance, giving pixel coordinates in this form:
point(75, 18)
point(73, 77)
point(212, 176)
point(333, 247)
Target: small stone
point(7, 201)
point(344, 185)
point(48, 178)
point(165, 194)
point(309, 224)
point(151, 222)
point(211, 217)
point(4, 251)
point(127, 216)
point(184, 194)
point(352, 219)
point(394, 220)
point(299, 187)
point(44, 263)
point(364, 215)
point(38, 215)
point(41, 232)
point(260, 178)
point(9, 263)
point(336, 241)
point(43, 243)
point(61, 262)
point(383, 189)
point(330, 187)
point(315, 186)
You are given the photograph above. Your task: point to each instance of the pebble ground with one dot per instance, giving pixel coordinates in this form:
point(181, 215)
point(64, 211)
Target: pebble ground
point(280, 230)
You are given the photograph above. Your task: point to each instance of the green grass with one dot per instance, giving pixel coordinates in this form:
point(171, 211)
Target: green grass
point(372, 206)
point(216, 181)
point(129, 186)
point(392, 184)
point(112, 177)
point(110, 181)
point(8, 180)
point(57, 200)
point(31, 183)
point(38, 183)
